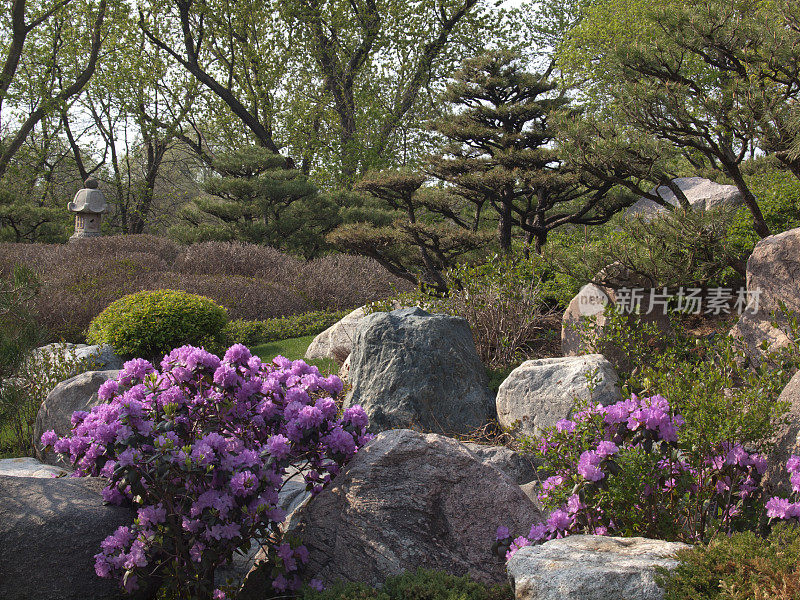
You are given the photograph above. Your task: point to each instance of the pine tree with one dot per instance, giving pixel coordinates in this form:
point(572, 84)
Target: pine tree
point(256, 199)
point(500, 152)
point(414, 231)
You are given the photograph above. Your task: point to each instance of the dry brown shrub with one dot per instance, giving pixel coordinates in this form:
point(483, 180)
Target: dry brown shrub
point(343, 280)
point(236, 258)
point(116, 245)
point(78, 280)
point(73, 292)
point(244, 297)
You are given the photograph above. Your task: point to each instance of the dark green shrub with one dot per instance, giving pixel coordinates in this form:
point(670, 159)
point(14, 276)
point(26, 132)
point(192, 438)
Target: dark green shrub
point(741, 567)
point(151, 323)
point(252, 333)
point(422, 585)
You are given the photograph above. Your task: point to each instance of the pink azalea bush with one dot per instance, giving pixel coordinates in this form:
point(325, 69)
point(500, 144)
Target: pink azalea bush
point(201, 448)
point(622, 469)
point(787, 508)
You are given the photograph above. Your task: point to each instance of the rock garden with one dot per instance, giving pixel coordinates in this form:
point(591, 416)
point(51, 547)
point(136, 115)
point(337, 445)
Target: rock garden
point(399, 300)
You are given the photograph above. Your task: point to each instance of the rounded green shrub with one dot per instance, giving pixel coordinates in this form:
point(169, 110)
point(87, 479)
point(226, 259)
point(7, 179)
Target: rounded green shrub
point(151, 323)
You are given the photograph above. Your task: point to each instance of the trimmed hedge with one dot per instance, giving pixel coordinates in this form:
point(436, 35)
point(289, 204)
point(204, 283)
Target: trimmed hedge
point(253, 333)
point(151, 323)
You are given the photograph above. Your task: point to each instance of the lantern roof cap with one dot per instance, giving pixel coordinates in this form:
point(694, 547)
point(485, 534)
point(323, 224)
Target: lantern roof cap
point(89, 199)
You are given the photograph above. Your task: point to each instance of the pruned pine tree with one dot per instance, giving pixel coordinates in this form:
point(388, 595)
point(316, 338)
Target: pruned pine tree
point(500, 152)
point(256, 199)
point(425, 237)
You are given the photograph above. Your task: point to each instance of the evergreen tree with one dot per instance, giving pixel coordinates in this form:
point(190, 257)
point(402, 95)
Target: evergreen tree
point(414, 231)
point(256, 199)
point(500, 152)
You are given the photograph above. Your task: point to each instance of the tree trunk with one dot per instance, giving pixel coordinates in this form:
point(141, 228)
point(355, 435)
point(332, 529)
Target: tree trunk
point(505, 222)
point(750, 201)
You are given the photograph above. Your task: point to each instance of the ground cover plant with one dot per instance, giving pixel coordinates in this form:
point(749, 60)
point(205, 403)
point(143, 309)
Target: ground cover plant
point(200, 448)
point(743, 566)
point(421, 585)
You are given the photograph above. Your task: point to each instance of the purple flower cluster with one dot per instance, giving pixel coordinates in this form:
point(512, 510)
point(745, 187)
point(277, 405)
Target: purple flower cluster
point(201, 448)
point(782, 508)
point(670, 490)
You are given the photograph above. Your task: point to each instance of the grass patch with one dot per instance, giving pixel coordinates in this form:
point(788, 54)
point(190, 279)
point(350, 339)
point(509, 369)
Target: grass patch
point(498, 376)
point(294, 349)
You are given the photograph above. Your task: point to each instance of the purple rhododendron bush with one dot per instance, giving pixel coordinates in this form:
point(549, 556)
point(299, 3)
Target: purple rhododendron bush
point(200, 449)
point(623, 470)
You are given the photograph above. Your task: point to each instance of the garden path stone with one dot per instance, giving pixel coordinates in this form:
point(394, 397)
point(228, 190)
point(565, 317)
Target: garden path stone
point(409, 500)
point(50, 530)
point(412, 369)
point(76, 393)
point(540, 392)
point(591, 567)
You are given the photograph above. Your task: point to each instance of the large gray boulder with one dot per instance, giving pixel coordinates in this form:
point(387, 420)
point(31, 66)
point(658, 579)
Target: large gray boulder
point(517, 467)
point(773, 276)
point(409, 500)
point(28, 467)
point(591, 567)
point(95, 358)
point(702, 194)
point(76, 393)
point(50, 530)
point(540, 392)
point(786, 442)
point(413, 369)
point(336, 342)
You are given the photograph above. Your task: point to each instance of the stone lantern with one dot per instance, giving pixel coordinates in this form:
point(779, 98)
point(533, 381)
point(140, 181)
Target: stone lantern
point(88, 206)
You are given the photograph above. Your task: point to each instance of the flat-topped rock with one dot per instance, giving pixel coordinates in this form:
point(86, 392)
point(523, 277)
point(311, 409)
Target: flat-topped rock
point(28, 467)
point(50, 530)
point(591, 567)
point(539, 393)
